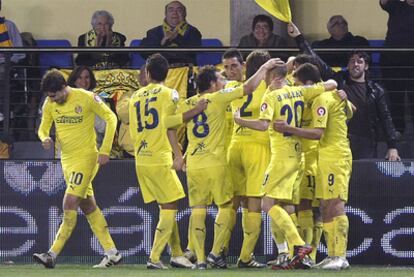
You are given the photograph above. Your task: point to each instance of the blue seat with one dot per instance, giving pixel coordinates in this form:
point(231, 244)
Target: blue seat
point(209, 58)
point(376, 56)
point(49, 60)
point(136, 60)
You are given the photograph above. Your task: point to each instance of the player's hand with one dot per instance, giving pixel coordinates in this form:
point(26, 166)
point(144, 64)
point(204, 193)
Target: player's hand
point(272, 63)
point(392, 155)
point(178, 163)
point(202, 105)
point(47, 143)
point(293, 30)
point(289, 63)
point(281, 126)
point(342, 94)
point(103, 159)
point(236, 116)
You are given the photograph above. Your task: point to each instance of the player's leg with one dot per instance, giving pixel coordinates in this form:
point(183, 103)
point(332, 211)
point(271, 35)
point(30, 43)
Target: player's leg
point(251, 232)
point(99, 227)
point(197, 232)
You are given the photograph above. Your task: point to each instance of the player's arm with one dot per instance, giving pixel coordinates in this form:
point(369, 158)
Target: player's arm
point(251, 84)
point(254, 124)
point(45, 125)
point(174, 121)
point(309, 133)
point(178, 156)
point(104, 112)
point(133, 121)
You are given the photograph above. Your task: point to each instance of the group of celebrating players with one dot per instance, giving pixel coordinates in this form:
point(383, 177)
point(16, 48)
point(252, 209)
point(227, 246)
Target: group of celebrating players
point(273, 141)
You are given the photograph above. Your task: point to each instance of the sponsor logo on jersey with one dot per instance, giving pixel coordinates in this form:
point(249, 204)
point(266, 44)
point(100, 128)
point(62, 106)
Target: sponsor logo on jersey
point(321, 111)
point(69, 119)
point(226, 90)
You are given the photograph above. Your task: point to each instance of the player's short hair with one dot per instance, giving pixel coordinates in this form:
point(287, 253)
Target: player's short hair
point(307, 72)
point(75, 74)
point(53, 81)
point(206, 75)
point(304, 58)
point(157, 67)
point(279, 70)
point(233, 53)
point(362, 55)
point(262, 18)
point(255, 60)
point(107, 14)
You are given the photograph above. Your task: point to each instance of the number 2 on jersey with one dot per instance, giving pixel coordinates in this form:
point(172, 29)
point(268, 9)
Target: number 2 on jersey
point(243, 112)
point(296, 114)
point(147, 113)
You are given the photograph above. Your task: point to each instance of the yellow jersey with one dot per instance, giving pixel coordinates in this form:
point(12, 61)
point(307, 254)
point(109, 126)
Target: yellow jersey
point(229, 112)
point(206, 132)
point(331, 113)
point(74, 122)
point(287, 104)
point(249, 107)
point(148, 109)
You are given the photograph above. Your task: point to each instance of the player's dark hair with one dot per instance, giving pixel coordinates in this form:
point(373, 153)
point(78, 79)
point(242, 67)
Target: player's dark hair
point(53, 81)
point(279, 71)
point(233, 53)
point(362, 55)
point(157, 67)
point(307, 72)
point(206, 75)
point(262, 18)
point(75, 74)
point(255, 60)
point(304, 58)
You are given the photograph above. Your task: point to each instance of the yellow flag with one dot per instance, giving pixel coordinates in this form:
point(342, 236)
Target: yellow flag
point(278, 8)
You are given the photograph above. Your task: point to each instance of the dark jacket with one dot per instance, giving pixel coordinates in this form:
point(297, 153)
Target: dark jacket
point(191, 38)
point(340, 59)
point(382, 127)
point(100, 59)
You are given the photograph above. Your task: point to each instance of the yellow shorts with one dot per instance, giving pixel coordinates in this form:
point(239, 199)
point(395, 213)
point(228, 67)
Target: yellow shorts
point(206, 185)
point(332, 180)
point(283, 178)
point(248, 163)
point(159, 183)
point(307, 186)
point(79, 174)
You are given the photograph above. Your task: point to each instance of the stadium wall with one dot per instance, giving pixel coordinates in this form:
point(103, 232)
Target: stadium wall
point(67, 19)
point(381, 213)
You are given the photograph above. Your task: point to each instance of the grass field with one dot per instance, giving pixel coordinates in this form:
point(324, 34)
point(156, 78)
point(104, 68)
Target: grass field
point(140, 270)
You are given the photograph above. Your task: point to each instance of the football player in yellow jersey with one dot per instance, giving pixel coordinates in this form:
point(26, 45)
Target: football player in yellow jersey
point(285, 170)
point(207, 172)
point(248, 157)
point(152, 114)
point(334, 166)
point(73, 112)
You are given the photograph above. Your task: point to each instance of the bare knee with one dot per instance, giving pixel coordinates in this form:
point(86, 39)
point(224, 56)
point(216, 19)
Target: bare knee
point(88, 205)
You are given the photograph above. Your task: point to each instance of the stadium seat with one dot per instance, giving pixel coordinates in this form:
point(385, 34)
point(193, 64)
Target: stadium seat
point(136, 60)
point(59, 60)
point(209, 58)
point(376, 56)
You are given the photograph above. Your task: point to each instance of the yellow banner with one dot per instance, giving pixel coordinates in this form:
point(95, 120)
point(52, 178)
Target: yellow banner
point(278, 8)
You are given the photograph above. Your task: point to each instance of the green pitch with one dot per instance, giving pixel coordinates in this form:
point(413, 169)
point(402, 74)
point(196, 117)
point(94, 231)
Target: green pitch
point(140, 270)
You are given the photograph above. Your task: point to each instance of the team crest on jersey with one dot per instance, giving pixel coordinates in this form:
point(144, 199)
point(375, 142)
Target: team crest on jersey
point(321, 111)
point(263, 107)
point(78, 109)
point(175, 96)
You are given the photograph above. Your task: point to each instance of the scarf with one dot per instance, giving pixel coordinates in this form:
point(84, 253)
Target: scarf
point(181, 28)
point(90, 39)
point(5, 40)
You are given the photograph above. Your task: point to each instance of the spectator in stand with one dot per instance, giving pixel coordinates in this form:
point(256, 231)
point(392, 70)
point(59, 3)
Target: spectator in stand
point(340, 38)
point(174, 32)
point(262, 34)
point(372, 120)
point(83, 77)
point(102, 35)
point(399, 64)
